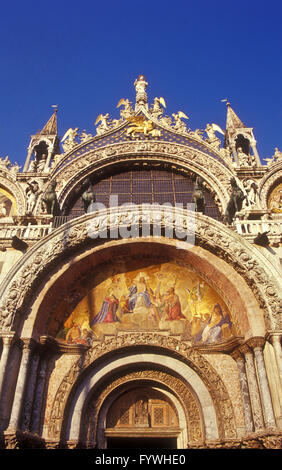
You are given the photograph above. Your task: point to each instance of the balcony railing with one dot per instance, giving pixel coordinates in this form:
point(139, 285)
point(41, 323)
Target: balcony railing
point(254, 227)
point(247, 228)
point(24, 232)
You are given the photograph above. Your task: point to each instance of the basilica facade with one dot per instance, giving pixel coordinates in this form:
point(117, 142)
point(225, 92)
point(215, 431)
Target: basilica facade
point(140, 285)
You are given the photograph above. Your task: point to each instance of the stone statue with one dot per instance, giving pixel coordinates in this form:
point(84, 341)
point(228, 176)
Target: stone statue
point(179, 125)
point(3, 210)
point(140, 88)
point(68, 141)
point(127, 110)
point(277, 157)
point(5, 162)
point(104, 126)
point(157, 110)
point(50, 200)
point(198, 196)
point(32, 193)
point(88, 197)
point(32, 166)
point(235, 202)
point(42, 163)
point(252, 199)
point(141, 412)
point(244, 159)
point(84, 137)
point(212, 139)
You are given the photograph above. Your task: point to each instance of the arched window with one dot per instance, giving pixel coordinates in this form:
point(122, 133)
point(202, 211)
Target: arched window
point(144, 187)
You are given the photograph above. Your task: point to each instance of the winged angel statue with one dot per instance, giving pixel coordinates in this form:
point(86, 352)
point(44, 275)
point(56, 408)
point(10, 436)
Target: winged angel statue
point(178, 124)
point(68, 141)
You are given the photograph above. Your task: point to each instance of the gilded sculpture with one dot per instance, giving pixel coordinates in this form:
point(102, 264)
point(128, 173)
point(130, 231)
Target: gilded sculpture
point(141, 125)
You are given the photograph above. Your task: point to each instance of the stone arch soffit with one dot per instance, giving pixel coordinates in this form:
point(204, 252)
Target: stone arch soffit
point(133, 345)
point(16, 192)
point(18, 287)
point(71, 177)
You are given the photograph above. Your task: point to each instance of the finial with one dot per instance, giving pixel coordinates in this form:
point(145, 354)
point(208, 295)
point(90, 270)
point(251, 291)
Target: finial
point(227, 102)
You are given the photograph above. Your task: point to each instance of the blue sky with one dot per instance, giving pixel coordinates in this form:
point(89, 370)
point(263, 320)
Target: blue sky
point(84, 56)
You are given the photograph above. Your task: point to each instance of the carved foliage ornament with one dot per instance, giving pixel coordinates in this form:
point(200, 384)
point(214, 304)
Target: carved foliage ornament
point(218, 175)
point(179, 388)
point(222, 402)
point(17, 289)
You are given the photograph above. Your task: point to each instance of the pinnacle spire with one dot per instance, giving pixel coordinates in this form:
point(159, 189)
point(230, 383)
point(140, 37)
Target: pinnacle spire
point(51, 127)
point(233, 122)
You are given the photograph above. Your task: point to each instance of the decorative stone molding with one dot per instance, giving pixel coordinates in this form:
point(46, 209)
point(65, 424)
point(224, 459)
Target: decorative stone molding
point(135, 153)
point(18, 287)
point(175, 385)
point(217, 389)
point(268, 182)
point(9, 182)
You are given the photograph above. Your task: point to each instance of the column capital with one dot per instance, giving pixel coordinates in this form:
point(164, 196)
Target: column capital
point(8, 337)
point(244, 349)
point(274, 335)
point(237, 354)
point(28, 344)
point(256, 342)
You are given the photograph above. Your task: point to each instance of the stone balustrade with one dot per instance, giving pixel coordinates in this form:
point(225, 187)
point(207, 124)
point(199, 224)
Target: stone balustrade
point(247, 228)
point(24, 232)
point(251, 228)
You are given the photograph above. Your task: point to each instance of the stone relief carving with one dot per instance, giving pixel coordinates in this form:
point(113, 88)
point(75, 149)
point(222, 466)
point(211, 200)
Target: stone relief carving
point(268, 183)
point(218, 175)
point(8, 181)
point(224, 409)
point(191, 408)
point(211, 235)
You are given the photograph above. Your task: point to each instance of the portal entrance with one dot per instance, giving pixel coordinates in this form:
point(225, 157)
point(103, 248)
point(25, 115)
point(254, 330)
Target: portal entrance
point(143, 418)
point(141, 443)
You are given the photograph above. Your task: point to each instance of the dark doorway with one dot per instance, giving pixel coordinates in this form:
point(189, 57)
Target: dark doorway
point(141, 443)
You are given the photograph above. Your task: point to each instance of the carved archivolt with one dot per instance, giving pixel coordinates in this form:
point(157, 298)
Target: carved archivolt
point(217, 389)
point(18, 287)
point(268, 182)
point(212, 171)
point(7, 182)
point(174, 384)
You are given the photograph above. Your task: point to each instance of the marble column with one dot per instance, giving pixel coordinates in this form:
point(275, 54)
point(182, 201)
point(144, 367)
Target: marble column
point(253, 388)
point(7, 340)
point(29, 398)
point(20, 386)
point(26, 166)
point(256, 344)
point(38, 398)
point(243, 380)
point(275, 338)
point(47, 164)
